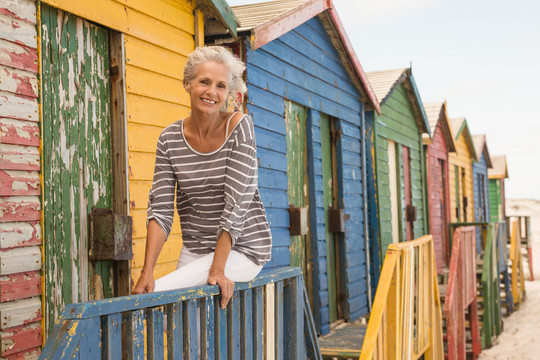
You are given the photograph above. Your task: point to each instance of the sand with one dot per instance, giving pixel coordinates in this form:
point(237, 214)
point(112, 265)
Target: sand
point(521, 336)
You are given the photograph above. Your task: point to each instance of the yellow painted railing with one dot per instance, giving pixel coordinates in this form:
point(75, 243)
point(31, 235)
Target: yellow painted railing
point(405, 320)
point(518, 279)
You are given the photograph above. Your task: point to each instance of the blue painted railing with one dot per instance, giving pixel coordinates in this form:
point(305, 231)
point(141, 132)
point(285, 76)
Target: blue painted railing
point(268, 317)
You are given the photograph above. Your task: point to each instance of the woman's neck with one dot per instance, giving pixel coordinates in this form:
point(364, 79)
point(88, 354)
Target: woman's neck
point(203, 124)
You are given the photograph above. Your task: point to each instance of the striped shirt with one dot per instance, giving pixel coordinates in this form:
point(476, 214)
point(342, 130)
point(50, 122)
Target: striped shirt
point(215, 191)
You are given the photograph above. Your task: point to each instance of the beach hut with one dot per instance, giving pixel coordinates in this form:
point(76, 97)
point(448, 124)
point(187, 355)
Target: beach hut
point(397, 196)
point(481, 183)
point(437, 148)
point(497, 174)
point(461, 179)
point(307, 95)
point(108, 78)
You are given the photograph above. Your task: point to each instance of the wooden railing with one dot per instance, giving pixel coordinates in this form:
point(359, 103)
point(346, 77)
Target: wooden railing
point(518, 279)
point(268, 317)
point(461, 294)
point(491, 320)
point(405, 320)
point(502, 258)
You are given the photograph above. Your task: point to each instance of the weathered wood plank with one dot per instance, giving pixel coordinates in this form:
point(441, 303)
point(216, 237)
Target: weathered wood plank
point(18, 339)
point(19, 183)
point(258, 318)
point(20, 312)
point(246, 325)
point(175, 337)
point(279, 319)
point(208, 331)
point(18, 56)
point(221, 329)
point(20, 286)
point(91, 345)
point(190, 329)
point(112, 336)
point(18, 132)
point(18, 82)
point(233, 327)
point(16, 157)
point(135, 342)
point(18, 31)
point(19, 10)
point(154, 325)
point(19, 208)
point(15, 234)
point(19, 260)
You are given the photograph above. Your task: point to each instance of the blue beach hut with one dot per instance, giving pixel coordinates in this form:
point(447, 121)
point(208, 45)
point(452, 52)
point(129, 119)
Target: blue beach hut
point(307, 95)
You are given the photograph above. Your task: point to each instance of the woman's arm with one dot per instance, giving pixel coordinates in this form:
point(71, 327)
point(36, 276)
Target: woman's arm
point(217, 270)
point(155, 239)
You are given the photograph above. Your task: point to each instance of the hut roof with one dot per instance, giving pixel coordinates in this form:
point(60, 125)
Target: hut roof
point(460, 127)
point(480, 146)
point(384, 83)
point(438, 116)
point(218, 11)
point(500, 167)
point(267, 21)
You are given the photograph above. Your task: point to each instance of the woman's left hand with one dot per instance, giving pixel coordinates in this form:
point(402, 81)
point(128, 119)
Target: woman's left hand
point(225, 284)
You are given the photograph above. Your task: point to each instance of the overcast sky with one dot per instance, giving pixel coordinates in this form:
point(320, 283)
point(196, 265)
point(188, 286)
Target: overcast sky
point(482, 56)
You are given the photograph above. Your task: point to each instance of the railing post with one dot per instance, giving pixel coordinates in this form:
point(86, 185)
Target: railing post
point(207, 345)
point(135, 342)
point(154, 335)
point(112, 344)
point(294, 313)
point(278, 313)
point(174, 332)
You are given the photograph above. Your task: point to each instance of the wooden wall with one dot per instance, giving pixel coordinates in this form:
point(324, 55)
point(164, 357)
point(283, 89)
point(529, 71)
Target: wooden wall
point(397, 123)
point(158, 36)
point(461, 158)
point(439, 207)
point(495, 199)
point(303, 66)
point(20, 230)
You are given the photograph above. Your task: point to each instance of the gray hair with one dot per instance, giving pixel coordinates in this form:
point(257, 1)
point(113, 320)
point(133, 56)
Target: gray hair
point(220, 55)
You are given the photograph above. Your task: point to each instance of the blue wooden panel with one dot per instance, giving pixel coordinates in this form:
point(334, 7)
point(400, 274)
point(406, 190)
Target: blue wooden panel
point(154, 336)
point(233, 327)
point(208, 332)
point(112, 337)
point(221, 329)
point(278, 313)
point(277, 217)
point(59, 344)
point(90, 345)
point(270, 140)
point(246, 325)
point(135, 329)
point(266, 119)
point(272, 198)
point(271, 159)
point(265, 99)
point(258, 323)
point(313, 30)
point(272, 179)
point(175, 336)
point(293, 301)
point(190, 329)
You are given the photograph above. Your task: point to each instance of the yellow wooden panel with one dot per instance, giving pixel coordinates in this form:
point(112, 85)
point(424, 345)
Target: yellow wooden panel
point(149, 111)
point(178, 14)
point(159, 271)
point(461, 158)
point(141, 166)
point(146, 83)
point(139, 224)
point(143, 138)
point(169, 253)
point(138, 194)
point(151, 57)
point(121, 18)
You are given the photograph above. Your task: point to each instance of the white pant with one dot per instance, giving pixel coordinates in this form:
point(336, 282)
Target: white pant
point(193, 269)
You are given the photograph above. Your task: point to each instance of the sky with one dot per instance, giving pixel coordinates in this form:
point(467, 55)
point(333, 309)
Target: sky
point(482, 57)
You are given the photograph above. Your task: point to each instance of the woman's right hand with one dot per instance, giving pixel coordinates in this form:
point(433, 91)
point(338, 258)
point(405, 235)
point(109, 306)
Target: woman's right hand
point(145, 284)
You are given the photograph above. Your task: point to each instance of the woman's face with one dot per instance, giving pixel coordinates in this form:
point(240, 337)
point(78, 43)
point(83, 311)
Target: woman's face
point(209, 88)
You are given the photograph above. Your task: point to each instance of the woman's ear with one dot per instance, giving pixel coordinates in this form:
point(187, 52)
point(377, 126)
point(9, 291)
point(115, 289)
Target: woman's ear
point(187, 86)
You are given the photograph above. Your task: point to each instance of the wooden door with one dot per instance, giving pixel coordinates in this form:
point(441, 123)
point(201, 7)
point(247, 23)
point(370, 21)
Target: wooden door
point(77, 164)
point(298, 181)
point(330, 199)
point(394, 191)
point(443, 203)
point(406, 161)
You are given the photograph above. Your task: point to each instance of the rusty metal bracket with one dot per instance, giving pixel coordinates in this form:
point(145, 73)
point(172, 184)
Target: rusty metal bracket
point(110, 236)
point(298, 220)
point(336, 220)
point(410, 213)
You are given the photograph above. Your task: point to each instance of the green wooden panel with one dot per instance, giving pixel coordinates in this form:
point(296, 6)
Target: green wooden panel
point(329, 201)
point(494, 199)
point(77, 171)
point(295, 119)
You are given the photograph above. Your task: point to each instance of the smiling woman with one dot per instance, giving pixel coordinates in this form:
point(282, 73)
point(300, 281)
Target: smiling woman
point(209, 161)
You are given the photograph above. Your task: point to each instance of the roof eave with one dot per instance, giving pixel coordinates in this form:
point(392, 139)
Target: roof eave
point(422, 122)
point(224, 14)
point(452, 147)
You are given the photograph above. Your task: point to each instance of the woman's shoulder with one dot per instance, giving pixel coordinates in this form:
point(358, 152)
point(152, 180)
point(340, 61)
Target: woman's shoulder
point(171, 130)
point(242, 123)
